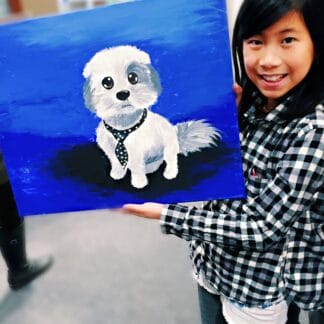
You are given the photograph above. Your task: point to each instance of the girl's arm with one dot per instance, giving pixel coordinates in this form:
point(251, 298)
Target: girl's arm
point(267, 217)
point(264, 219)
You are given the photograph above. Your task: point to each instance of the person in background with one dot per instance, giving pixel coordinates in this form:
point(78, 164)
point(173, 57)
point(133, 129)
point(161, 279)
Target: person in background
point(21, 271)
point(253, 257)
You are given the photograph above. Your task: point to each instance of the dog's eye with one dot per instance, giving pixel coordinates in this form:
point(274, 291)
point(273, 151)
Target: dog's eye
point(107, 82)
point(132, 78)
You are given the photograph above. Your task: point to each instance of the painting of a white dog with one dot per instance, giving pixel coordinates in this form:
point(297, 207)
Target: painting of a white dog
point(126, 107)
point(120, 87)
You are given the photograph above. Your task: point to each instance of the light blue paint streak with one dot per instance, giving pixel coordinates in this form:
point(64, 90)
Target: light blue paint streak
point(163, 23)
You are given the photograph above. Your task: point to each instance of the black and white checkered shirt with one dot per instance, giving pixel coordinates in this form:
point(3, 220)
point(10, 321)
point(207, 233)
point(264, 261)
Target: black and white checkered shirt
point(270, 245)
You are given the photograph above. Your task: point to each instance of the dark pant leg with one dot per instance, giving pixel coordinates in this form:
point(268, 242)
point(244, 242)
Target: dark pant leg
point(9, 217)
point(210, 307)
point(293, 314)
point(316, 317)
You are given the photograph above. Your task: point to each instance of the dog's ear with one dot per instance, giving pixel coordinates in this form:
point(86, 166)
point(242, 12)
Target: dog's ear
point(155, 78)
point(87, 95)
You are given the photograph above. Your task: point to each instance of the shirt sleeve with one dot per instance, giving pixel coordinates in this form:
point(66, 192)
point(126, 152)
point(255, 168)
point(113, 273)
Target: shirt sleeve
point(264, 219)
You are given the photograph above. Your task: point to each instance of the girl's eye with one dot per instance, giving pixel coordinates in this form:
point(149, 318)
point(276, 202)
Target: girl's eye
point(107, 82)
point(132, 78)
point(288, 40)
point(254, 42)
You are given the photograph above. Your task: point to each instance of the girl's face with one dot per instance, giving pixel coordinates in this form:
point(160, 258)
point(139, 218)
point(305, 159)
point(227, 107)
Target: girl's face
point(280, 57)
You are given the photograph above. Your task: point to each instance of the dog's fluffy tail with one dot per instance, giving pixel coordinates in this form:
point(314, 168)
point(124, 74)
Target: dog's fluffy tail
point(195, 135)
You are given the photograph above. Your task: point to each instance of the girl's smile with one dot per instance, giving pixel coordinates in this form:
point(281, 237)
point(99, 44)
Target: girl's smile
point(279, 58)
point(273, 81)
point(273, 78)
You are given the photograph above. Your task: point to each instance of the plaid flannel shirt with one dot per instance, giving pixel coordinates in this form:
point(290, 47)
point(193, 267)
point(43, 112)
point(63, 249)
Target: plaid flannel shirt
point(257, 250)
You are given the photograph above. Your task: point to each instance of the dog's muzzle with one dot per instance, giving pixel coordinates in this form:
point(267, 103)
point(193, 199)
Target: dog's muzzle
point(123, 95)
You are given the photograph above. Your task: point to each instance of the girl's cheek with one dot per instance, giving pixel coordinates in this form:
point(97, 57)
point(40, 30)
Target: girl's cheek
point(249, 61)
point(248, 66)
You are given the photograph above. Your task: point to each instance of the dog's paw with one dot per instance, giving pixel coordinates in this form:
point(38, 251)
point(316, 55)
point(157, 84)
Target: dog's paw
point(117, 173)
point(170, 173)
point(139, 182)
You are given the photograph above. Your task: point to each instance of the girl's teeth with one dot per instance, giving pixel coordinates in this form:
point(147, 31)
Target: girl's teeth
point(272, 78)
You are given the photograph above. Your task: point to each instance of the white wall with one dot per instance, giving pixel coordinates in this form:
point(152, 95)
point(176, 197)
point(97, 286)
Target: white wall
point(232, 9)
point(3, 8)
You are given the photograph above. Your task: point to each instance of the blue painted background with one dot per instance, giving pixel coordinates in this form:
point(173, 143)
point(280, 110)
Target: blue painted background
point(48, 136)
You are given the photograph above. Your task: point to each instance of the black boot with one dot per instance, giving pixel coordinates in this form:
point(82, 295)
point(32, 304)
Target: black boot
point(20, 270)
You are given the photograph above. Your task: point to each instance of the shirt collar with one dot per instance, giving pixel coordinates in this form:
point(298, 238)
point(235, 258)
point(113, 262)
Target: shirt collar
point(274, 116)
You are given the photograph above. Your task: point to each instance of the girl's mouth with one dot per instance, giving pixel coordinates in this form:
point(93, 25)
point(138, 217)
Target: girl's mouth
point(273, 78)
point(272, 82)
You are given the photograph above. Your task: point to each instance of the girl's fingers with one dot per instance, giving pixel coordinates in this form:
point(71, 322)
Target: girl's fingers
point(237, 89)
point(147, 210)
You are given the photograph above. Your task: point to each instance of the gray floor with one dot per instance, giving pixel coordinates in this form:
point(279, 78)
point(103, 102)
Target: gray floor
point(109, 268)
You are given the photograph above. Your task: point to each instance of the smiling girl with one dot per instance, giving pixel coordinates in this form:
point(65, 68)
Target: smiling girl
point(258, 254)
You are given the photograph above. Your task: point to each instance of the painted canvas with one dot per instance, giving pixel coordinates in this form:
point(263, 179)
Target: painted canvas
point(125, 103)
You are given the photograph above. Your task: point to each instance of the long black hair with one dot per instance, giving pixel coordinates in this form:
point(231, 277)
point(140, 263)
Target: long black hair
point(256, 15)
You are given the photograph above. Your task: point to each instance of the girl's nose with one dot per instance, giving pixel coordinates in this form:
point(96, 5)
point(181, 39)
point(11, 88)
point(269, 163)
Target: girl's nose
point(269, 58)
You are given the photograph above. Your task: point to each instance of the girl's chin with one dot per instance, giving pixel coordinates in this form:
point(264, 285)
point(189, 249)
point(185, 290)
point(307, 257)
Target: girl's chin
point(273, 96)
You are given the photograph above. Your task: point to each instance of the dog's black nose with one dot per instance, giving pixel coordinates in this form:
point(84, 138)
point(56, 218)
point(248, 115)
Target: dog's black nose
point(123, 95)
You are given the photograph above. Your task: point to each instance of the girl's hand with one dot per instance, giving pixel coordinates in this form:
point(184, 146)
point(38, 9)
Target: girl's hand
point(147, 210)
point(237, 89)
